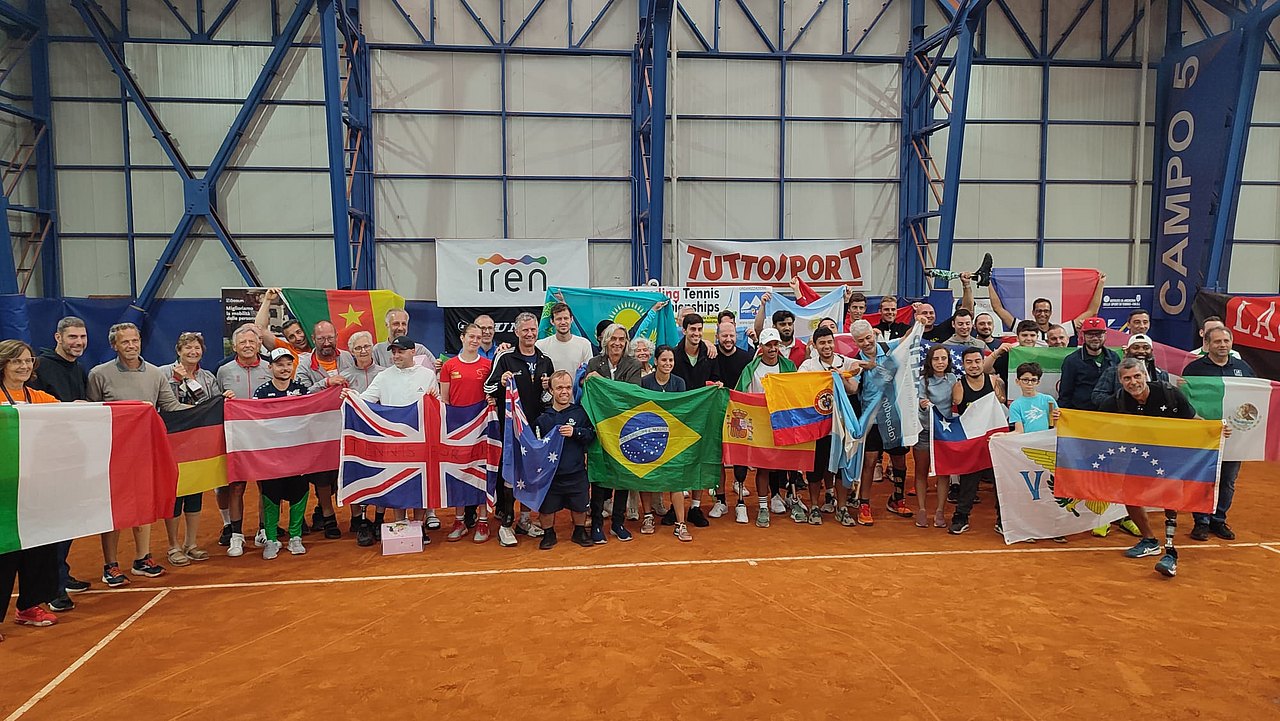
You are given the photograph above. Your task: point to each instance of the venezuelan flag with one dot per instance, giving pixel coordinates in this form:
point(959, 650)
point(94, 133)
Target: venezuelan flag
point(1167, 463)
point(800, 406)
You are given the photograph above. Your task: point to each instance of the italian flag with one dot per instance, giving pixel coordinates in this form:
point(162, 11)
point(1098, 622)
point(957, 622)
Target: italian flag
point(349, 310)
point(1251, 406)
point(76, 469)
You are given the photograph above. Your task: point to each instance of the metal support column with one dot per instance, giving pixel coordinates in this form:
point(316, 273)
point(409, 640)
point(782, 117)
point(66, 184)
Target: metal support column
point(649, 135)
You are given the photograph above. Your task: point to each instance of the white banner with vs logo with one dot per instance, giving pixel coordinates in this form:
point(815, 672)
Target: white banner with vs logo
point(504, 273)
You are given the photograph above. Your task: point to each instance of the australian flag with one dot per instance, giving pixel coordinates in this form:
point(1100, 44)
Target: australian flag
point(528, 462)
point(425, 455)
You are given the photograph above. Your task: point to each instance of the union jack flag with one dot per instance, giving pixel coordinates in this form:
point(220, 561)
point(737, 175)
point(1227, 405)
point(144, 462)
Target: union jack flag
point(425, 455)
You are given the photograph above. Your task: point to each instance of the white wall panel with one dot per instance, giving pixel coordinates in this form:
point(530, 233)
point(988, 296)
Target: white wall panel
point(95, 266)
point(197, 130)
point(1095, 94)
point(543, 83)
point(408, 269)
point(1262, 157)
point(91, 201)
point(569, 209)
point(1082, 41)
point(616, 30)
point(455, 26)
point(434, 80)
point(611, 263)
point(546, 28)
point(383, 23)
point(890, 34)
point(440, 144)
point(438, 208)
point(248, 21)
point(728, 148)
point(881, 274)
point(1110, 258)
point(1255, 269)
point(998, 92)
point(996, 211)
point(1266, 106)
point(1095, 152)
point(276, 202)
point(710, 209)
point(841, 210)
point(837, 89)
point(221, 71)
point(736, 31)
point(1258, 217)
point(822, 32)
point(157, 22)
point(994, 152)
point(158, 201)
point(569, 146)
point(1001, 40)
point(87, 134)
point(968, 255)
point(287, 136)
point(727, 87)
point(843, 150)
point(1087, 211)
point(80, 69)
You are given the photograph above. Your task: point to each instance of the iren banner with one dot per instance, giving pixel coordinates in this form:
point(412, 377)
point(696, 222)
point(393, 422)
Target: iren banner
point(1200, 84)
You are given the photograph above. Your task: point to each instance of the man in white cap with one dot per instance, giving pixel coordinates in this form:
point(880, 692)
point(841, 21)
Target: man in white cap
point(768, 362)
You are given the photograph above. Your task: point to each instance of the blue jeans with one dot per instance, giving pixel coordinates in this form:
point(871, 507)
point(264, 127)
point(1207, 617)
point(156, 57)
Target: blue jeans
point(1226, 491)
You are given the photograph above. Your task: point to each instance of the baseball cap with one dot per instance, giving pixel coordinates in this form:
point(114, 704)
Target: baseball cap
point(769, 335)
point(1139, 338)
point(403, 342)
point(278, 353)
point(1094, 323)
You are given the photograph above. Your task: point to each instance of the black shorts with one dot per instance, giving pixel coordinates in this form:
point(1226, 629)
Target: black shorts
point(875, 444)
point(323, 478)
point(821, 458)
point(567, 493)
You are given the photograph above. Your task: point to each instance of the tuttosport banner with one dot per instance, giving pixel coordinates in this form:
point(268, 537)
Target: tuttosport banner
point(1199, 85)
point(1120, 300)
point(492, 273)
point(823, 264)
point(504, 321)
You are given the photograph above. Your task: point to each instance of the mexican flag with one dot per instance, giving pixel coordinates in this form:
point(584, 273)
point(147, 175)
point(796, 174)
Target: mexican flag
point(349, 310)
point(76, 469)
point(1251, 406)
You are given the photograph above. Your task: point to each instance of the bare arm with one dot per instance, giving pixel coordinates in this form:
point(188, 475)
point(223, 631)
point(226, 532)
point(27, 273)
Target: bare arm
point(966, 293)
point(764, 300)
point(1096, 301)
point(1005, 316)
point(998, 385)
point(263, 318)
point(957, 393)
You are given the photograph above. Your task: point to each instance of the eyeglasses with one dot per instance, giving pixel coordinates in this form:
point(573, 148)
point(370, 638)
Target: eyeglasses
point(485, 327)
point(1028, 379)
point(361, 348)
point(23, 361)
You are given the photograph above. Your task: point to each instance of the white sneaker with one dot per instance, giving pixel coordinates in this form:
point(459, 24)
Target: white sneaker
point(740, 513)
point(296, 547)
point(829, 507)
point(608, 508)
point(878, 474)
point(529, 528)
point(633, 509)
point(236, 548)
point(776, 504)
point(260, 538)
point(506, 537)
point(717, 510)
point(433, 523)
point(270, 550)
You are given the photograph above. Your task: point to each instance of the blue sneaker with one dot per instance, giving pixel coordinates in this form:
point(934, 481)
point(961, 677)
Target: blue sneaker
point(620, 532)
point(597, 535)
point(1145, 547)
point(1167, 566)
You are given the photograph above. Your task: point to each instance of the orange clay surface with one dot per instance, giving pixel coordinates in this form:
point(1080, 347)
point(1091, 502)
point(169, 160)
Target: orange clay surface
point(789, 622)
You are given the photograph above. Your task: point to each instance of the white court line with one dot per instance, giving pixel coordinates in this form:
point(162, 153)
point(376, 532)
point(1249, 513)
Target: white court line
point(57, 681)
point(1273, 549)
point(643, 564)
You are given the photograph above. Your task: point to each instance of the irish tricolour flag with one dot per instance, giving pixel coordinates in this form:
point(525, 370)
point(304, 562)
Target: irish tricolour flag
point(76, 469)
point(1251, 406)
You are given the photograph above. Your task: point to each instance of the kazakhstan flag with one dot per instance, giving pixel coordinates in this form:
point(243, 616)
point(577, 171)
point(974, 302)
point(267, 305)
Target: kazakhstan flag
point(651, 441)
point(632, 310)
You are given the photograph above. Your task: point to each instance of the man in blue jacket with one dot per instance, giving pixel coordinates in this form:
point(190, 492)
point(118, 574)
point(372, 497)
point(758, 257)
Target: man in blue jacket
point(1082, 369)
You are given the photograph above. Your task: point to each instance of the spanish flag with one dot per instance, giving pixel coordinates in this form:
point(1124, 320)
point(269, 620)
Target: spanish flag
point(349, 310)
point(748, 437)
point(800, 406)
point(1168, 463)
point(199, 446)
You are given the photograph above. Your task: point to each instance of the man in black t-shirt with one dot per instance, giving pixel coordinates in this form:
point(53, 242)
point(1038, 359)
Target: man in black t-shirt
point(1140, 397)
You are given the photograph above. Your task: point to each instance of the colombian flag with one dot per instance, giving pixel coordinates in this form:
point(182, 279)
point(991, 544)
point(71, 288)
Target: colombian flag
point(199, 446)
point(349, 310)
point(800, 406)
point(748, 436)
point(1167, 463)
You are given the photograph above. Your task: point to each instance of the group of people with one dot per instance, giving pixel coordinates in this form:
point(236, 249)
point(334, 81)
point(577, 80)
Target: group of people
point(548, 373)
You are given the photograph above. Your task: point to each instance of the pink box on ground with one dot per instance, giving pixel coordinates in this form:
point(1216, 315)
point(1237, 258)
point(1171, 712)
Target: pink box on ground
point(401, 537)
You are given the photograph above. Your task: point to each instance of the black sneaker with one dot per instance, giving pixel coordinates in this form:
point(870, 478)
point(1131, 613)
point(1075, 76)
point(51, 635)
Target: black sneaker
point(549, 539)
point(953, 495)
point(75, 585)
point(958, 527)
point(61, 603)
point(1223, 531)
point(697, 517)
point(224, 538)
point(331, 529)
point(580, 537)
point(426, 540)
point(146, 567)
point(364, 535)
point(317, 519)
point(669, 518)
point(112, 576)
point(469, 516)
point(1200, 532)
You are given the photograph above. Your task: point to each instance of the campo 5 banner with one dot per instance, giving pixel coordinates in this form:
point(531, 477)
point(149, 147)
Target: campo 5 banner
point(823, 264)
point(506, 273)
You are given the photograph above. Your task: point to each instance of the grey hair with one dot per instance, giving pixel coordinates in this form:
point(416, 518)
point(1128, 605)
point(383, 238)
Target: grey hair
point(355, 337)
point(116, 329)
point(608, 333)
point(1131, 363)
point(386, 317)
point(639, 341)
point(69, 322)
point(245, 328)
point(524, 317)
point(860, 326)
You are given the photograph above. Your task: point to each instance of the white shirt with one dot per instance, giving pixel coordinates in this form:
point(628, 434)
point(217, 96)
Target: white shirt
point(838, 363)
point(757, 376)
point(401, 386)
point(566, 355)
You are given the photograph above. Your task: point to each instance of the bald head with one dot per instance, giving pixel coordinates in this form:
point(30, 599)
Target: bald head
point(926, 315)
point(727, 336)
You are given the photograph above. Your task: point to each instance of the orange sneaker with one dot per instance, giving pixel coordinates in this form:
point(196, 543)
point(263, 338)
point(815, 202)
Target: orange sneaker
point(864, 515)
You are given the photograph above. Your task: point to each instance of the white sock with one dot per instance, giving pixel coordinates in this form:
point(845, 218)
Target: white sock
point(697, 502)
point(226, 516)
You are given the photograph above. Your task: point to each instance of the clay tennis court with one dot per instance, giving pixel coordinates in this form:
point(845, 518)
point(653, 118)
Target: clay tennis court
point(793, 622)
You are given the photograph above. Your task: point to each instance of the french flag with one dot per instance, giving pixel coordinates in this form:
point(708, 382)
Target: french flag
point(958, 444)
point(1069, 289)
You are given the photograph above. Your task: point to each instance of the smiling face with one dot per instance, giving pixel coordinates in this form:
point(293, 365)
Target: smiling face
point(527, 335)
point(247, 345)
point(1140, 323)
point(471, 340)
point(296, 337)
point(727, 335)
point(926, 315)
point(1041, 311)
point(397, 323)
point(562, 390)
point(617, 343)
point(1138, 350)
point(19, 370)
point(1057, 338)
point(1093, 340)
point(888, 309)
point(693, 335)
point(128, 345)
point(826, 346)
point(402, 358)
point(665, 362)
point(973, 365)
point(487, 328)
point(857, 309)
point(1219, 345)
point(963, 325)
point(282, 368)
point(1134, 381)
point(769, 352)
point(983, 326)
point(72, 341)
point(866, 343)
point(190, 353)
point(362, 349)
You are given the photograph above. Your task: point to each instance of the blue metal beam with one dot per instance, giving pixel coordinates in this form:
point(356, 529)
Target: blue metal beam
point(12, 16)
point(648, 123)
point(335, 134)
point(46, 174)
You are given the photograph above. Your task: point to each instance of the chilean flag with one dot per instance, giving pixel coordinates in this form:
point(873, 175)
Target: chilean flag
point(958, 444)
point(1069, 289)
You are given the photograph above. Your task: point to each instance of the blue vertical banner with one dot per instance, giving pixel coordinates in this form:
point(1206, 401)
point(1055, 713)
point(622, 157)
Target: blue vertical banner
point(1199, 86)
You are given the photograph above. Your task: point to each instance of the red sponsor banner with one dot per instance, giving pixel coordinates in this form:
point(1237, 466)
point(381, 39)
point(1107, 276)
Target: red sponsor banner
point(819, 263)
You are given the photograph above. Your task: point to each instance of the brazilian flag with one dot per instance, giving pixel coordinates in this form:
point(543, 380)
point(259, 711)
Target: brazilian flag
point(651, 441)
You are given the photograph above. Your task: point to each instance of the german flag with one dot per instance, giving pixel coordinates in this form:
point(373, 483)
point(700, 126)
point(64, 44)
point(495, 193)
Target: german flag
point(199, 446)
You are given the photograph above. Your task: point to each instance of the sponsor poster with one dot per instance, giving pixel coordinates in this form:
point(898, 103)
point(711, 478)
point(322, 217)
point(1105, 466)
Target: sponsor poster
point(506, 273)
point(1118, 301)
point(745, 302)
point(504, 320)
point(823, 264)
point(240, 306)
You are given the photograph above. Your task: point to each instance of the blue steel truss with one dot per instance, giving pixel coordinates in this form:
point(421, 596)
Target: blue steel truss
point(38, 249)
point(649, 133)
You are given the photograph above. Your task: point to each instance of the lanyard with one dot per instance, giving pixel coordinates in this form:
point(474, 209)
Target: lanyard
point(26, 393)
